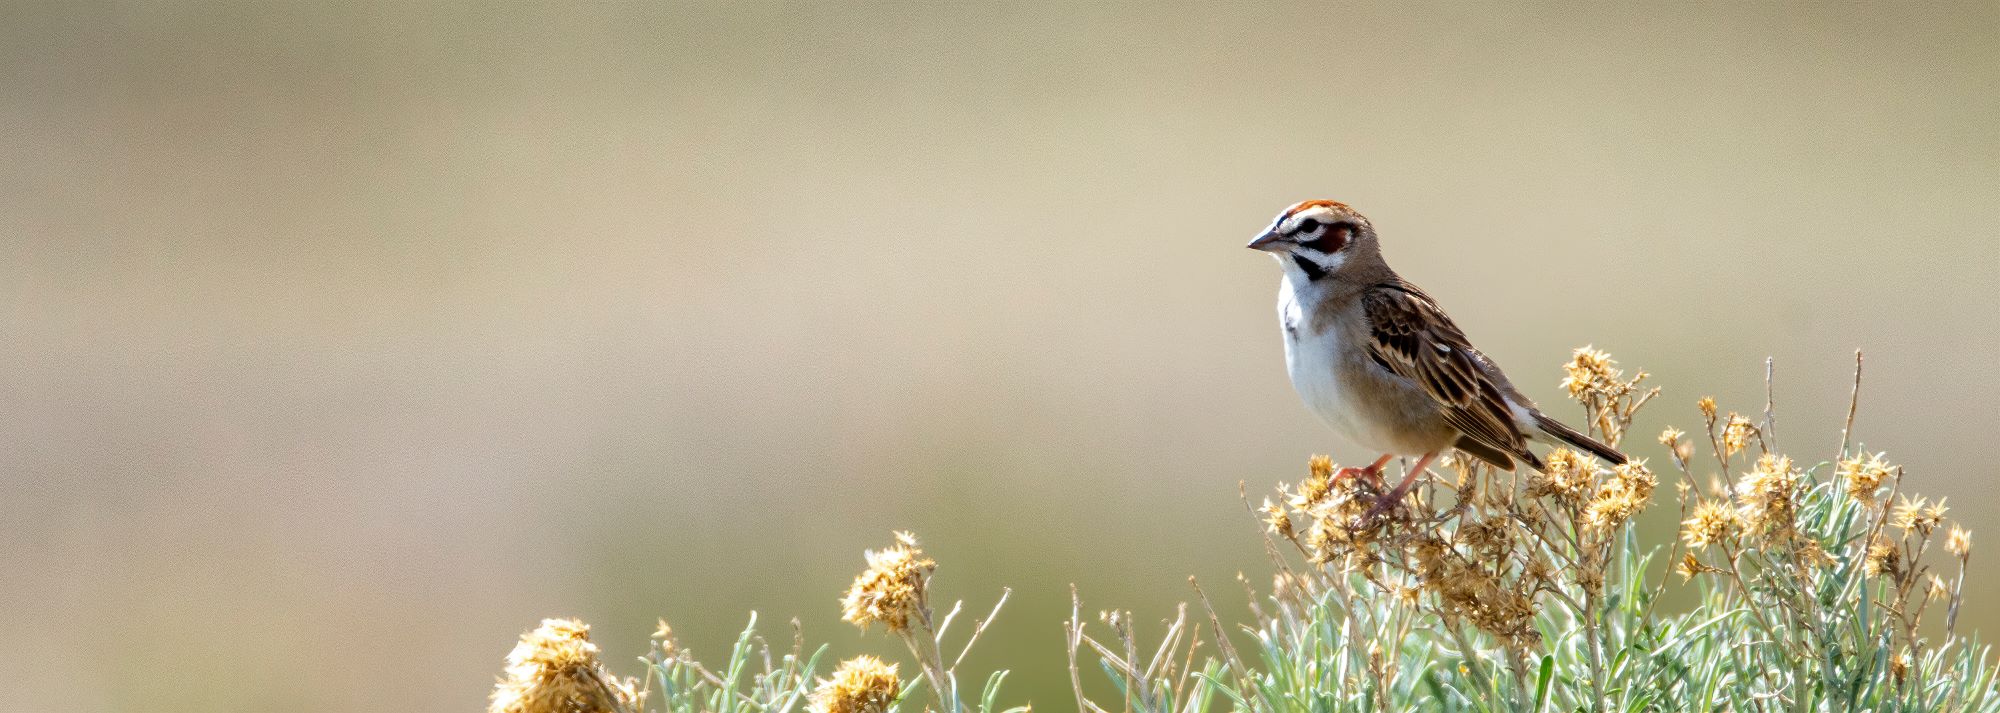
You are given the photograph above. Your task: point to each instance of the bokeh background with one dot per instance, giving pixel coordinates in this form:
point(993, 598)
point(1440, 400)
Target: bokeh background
point(341, 342)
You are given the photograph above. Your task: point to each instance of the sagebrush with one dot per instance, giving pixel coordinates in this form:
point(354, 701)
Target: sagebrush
point(1819, 588)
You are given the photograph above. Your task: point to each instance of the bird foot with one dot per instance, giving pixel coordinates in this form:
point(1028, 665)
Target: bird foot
point(1373, 474)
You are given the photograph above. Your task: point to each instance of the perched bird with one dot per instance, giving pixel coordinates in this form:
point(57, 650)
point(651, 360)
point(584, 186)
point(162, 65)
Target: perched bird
point(1379, 361)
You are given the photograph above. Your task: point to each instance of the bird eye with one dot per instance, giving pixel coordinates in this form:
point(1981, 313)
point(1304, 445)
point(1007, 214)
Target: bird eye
point(1308, 225)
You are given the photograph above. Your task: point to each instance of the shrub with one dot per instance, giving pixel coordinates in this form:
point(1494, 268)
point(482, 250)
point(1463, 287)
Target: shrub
point(1816, 588)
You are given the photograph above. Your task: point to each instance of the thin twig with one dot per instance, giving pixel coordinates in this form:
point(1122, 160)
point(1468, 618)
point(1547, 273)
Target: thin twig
point(1853, 402)
point(1770, 417)
point(981, 627)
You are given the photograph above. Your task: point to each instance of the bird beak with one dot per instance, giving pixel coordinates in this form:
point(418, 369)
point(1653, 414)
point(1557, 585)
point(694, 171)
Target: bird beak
point(1266, 241)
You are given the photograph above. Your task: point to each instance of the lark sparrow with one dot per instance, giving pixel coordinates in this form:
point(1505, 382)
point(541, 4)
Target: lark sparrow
point(1378, 360)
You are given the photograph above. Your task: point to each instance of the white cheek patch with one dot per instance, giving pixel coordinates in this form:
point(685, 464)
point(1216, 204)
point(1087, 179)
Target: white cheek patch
point(1330, 263)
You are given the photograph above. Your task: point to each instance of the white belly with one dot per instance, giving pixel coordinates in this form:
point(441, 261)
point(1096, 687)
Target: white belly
point(1313, 361)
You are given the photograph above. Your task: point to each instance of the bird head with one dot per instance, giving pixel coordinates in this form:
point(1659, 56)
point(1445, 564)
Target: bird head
point(1315, 239)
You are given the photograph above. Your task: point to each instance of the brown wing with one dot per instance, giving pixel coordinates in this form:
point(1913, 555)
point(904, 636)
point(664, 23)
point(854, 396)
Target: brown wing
point(1412, 338)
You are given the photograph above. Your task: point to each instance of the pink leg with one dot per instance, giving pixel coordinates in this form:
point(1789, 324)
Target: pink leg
point(1372, 472)
point(1390, 499)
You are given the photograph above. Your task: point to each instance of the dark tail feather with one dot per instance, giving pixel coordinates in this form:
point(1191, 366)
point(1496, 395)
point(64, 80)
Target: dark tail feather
point(1569, 435)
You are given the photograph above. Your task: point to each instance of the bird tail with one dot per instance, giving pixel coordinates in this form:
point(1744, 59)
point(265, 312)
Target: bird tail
point(1556, 430)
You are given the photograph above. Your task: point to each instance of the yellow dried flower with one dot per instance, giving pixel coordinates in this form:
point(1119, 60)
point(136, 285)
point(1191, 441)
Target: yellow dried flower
point(862, 684)
point(1317, 486)
point(1707, 406)
point(1340, 526)
point(892, 590)
point(1736, 434)
point(1590, 371)
point(554, 669)
point(1470, 591)
point(1275, 518)
point(1671, 438)
point(1490, 539)
point(1567, 477)
point(1937, 588)
point(1688, 567)
point(1884, 559)
point(664, 636)
point(1765, 497)
point(1863, 478)
point(1713, 522)
point(1811, 554)
point(1621, 496)
point(1959, 542)
point(1919, 515)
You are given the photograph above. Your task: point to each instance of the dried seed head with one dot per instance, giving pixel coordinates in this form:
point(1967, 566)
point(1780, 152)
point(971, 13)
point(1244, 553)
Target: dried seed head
point(1707, 406)
point(554, 669)
point(1688, 567)
point(862, 684)
point(663, 636)
point(1470, 591)
point(1341, 529)
point(1884, 559)
point(1590, 371)
point(1317, 485)
point(1864, 478)
point(891, 591)
point(1275, 518)
point(1919, 515)
point(1567, 477)
point(1671, 438)
point(1766, 498)
point(1736, 434)
point(1959, 542)
point(1621, 496)
point(1713, 522)
point(1936, 588)
point(1811, 554)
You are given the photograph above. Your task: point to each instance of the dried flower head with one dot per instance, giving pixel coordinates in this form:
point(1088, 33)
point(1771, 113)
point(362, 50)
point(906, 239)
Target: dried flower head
point(1884, 559)
point(1688, 567)
point(1317, 485)
point(1341, 528)
point(1590, 371)
point(554, 669)
point(1470, 591)
point(1490, 539)
point(892, 590)
point(1713, 522)
point(1671, 438)
point(1959, 542)
point(1936, 589)
point(663, 636)
point(1707, 406)
point(1766, 498)
point(862, 684)
point(1276, 520)
point(1736, 434)
point(1864, 478)
point(1811, 554)
point(1919, 515)
point(1567, 476)
point(1621, 496)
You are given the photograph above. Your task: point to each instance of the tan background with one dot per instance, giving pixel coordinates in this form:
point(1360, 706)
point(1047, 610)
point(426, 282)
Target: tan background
point(341, 342)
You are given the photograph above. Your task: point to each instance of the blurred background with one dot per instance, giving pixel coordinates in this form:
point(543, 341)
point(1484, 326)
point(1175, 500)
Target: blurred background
point(344, 341)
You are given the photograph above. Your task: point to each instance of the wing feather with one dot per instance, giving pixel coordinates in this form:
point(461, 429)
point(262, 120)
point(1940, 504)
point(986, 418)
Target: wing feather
point(1411, 337)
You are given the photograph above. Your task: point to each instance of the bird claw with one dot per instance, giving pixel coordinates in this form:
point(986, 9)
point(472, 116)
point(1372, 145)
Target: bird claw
point(1372, 474)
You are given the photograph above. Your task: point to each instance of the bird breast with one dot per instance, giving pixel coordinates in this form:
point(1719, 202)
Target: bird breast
point(1374, 409)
